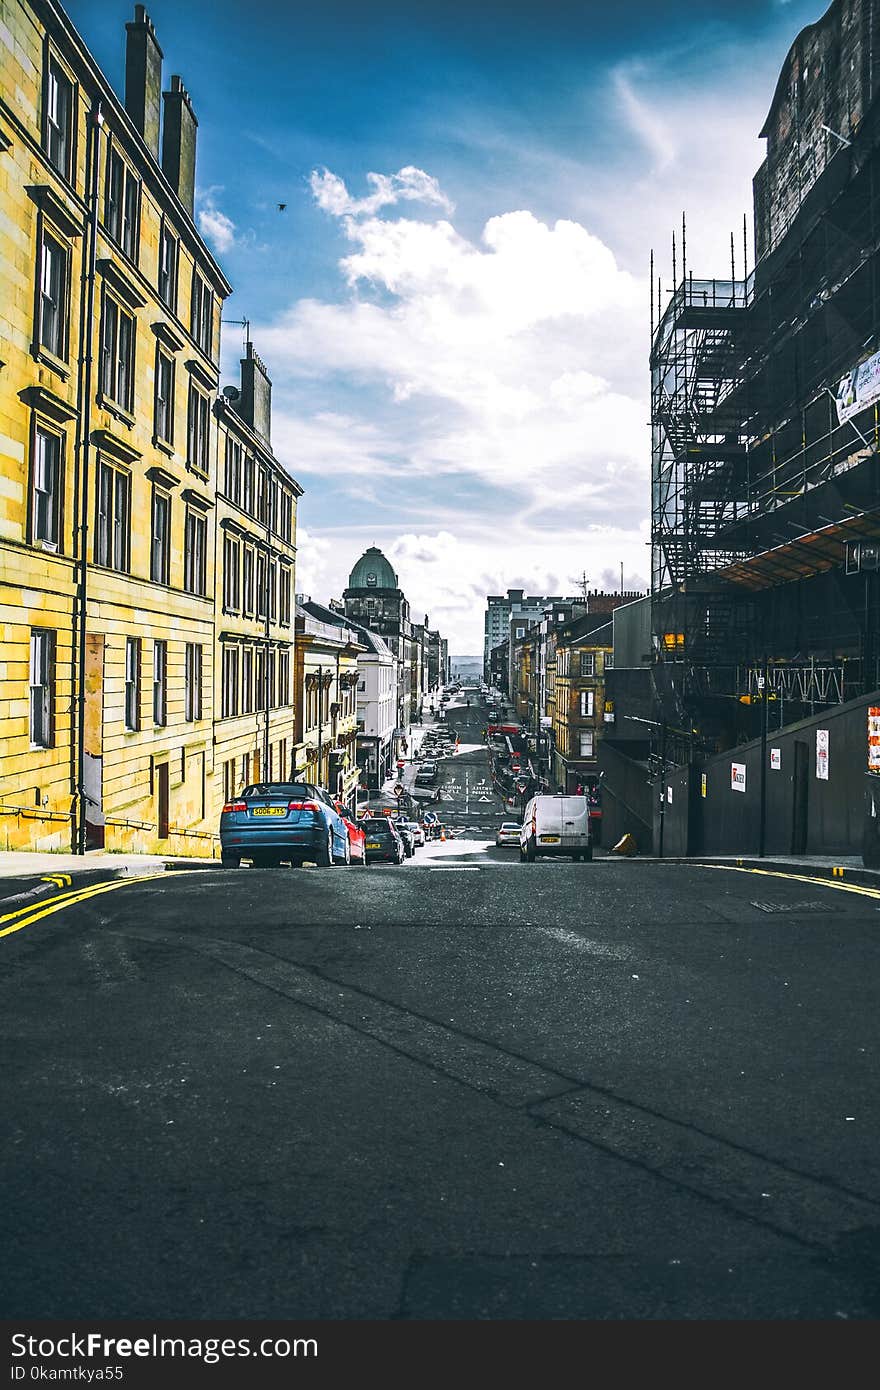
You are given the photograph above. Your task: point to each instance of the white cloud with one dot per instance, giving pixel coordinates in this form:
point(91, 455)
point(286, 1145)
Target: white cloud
point(503, 364)
point(314, 564)
point(215, 226)
point(447, 574)
point(512, 356)
point(643, 119)
point(407, 185)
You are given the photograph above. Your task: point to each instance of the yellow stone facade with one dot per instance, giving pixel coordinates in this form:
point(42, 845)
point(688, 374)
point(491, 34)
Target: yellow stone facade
point(579, 706)
point(326, 703)
point(255, 596)
point(111, 611)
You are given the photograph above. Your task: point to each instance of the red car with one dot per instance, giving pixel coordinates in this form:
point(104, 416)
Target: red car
point(357, 854)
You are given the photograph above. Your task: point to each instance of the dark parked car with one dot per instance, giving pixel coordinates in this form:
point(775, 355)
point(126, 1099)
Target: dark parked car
point(276, 822)
point(382, 842)
point(408, 838)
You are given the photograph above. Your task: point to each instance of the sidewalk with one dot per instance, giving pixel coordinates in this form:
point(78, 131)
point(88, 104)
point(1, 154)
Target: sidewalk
point(830, 866)
point(23, 864)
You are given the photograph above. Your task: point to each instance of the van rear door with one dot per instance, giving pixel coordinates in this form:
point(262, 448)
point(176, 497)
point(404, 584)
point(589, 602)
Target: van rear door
point(549, 820)
point(575, 820)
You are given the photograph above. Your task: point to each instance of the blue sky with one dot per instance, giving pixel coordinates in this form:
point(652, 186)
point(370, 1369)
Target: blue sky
point(454, 304)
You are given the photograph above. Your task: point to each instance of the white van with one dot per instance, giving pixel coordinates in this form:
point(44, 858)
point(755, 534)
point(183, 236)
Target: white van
point(556, 825)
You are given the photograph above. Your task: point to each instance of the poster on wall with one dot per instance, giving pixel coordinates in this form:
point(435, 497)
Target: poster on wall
point(776, 759)
point(822, 754)
point(737, 777)
point(702, 784)
point(859, 388)
point(874, 738)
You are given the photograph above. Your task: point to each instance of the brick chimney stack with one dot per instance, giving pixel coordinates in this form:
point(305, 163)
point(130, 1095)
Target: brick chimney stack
point(143, 78)
point(179, 143)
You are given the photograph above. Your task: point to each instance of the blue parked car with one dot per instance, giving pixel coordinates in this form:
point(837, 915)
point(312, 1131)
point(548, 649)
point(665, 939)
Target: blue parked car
point(275, 822)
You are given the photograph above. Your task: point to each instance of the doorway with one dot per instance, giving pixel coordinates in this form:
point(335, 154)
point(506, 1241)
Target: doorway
point(162, 795)
point(93, 741)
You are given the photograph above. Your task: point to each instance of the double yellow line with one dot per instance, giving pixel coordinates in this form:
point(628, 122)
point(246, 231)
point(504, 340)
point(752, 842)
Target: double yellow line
point(26, 916)
point(798, 878)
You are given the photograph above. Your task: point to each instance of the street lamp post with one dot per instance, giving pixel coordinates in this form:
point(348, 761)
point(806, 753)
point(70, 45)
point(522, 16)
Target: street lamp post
point(762, 827)
point(320, 717)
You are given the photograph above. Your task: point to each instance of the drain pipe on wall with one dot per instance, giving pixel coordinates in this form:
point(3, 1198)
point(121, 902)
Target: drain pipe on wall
point(96, 122)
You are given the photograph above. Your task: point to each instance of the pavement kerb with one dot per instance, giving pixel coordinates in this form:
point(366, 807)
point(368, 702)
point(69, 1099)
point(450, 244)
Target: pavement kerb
point(832, 872)
point(29, 864)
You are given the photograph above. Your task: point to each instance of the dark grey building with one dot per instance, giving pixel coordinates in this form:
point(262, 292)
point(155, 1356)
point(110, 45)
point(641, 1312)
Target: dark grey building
point(375, 599)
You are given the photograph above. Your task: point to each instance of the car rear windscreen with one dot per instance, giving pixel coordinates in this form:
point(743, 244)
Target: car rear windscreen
point(294, 791)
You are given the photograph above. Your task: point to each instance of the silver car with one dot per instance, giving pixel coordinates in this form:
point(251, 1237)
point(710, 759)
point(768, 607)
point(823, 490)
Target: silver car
point(508, 833)
point(414, 829)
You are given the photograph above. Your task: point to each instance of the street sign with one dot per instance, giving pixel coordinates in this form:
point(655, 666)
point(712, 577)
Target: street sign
point(399, 789)
point(521, 785)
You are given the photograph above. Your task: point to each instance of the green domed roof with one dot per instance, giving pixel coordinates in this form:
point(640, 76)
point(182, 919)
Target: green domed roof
point(372, 571)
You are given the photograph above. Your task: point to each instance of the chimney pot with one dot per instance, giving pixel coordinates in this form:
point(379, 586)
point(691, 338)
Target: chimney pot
point(179, 142)
point(255, 402)
point(143, 78)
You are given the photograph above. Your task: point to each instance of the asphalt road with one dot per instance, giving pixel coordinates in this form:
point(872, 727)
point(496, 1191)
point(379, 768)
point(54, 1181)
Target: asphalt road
point(462, 1088)
point(469, 805)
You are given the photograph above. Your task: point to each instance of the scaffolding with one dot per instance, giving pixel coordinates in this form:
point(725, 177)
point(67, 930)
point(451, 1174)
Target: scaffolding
point(699, 452)
point(765, 524)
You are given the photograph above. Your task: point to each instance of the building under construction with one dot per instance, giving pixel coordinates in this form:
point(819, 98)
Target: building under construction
point(765, 389)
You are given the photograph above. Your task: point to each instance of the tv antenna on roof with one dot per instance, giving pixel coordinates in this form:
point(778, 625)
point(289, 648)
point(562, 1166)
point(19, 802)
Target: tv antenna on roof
point(241, 323)
point(582, 583)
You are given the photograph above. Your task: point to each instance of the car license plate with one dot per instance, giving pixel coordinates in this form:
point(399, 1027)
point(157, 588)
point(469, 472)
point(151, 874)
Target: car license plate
point(549, 839)
point(373, 844)
point(269, 811)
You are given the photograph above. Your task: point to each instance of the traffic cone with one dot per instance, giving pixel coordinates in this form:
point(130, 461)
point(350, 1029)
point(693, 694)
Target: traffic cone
point(443, 834)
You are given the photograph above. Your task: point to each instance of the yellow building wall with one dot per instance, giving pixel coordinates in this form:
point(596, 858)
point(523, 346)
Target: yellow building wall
point(37, 587)
point(244, 735)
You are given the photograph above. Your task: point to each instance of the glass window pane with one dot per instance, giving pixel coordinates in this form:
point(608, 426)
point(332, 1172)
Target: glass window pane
point(46, 475)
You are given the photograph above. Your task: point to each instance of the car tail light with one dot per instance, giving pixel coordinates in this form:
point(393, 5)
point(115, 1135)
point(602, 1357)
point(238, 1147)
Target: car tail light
point(303, 806)
point(234, 806)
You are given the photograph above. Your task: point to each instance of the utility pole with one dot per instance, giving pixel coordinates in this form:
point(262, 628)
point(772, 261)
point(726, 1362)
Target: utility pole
point(267, 672)
point(662, 786)
point(762, 829)
point(320, 717)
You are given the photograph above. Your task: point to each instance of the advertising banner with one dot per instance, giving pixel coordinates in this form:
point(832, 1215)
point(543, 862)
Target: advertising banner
point(874, 738)
point(859, 388)
point(776, 759)
point(822, 754)
point(737, 777)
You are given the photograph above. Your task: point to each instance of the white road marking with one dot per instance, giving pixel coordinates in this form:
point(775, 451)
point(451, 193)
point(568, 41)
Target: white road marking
point(452, 868)
point(581, 943)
